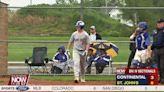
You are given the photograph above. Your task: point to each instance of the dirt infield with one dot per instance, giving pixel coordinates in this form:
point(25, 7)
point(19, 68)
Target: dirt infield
point(47, 82)
point(4, 81)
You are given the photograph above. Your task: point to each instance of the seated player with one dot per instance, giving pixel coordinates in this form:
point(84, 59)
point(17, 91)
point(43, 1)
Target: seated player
point(101, 60)
point(90, 59)
point(60, 61)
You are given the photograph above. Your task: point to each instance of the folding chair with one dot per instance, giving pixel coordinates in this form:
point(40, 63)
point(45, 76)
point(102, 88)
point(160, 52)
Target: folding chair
point(38, 61)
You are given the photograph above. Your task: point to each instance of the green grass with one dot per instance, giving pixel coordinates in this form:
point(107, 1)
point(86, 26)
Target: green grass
point(62, 21)
point(70, 77)
point(46, 38)
point(20, 51)
point(62, 38)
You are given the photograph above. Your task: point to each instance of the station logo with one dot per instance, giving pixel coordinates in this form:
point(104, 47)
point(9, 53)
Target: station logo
point(19, 79)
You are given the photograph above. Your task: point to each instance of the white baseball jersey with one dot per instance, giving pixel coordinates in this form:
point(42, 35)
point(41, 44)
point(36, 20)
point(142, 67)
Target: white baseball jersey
point(80, 40)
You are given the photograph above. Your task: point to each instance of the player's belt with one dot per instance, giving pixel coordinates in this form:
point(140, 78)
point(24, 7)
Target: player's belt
point(141, 49)
point(159, 47)
point(81, 50)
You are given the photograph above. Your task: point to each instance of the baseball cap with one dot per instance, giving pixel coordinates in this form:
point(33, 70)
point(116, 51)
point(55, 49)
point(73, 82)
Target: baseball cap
point(143, 25)
point(160, 20)
point(62, 47)
point(80, 23)
point(92, 27)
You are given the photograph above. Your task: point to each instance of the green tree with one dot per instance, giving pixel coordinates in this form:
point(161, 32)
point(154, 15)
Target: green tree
point(102, 3)
point(60, 2)
point(148, 15)
point(73, 2)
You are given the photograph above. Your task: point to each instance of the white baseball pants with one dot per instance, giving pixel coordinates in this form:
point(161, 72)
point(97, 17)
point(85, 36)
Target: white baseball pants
point(79, 65)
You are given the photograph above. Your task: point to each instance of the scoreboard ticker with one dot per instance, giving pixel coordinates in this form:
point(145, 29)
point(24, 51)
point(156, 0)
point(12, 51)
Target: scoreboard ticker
point(137, 76)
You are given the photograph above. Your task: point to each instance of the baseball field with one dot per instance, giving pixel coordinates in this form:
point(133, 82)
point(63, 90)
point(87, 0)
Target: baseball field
point(22, 48)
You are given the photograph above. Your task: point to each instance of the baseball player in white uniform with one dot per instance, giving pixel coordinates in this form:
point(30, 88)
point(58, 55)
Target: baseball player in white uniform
point(80, 41)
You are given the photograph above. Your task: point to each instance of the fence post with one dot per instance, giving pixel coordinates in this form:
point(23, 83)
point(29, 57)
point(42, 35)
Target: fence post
point(3, 36)
point(81, 10)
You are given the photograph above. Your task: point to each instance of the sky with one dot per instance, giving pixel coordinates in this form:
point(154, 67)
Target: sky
point(21, 3)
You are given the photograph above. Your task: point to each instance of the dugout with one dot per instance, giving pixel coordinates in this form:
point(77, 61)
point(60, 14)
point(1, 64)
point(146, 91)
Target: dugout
point(3, 38)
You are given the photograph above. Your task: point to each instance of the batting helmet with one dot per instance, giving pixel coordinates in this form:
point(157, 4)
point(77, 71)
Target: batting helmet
point(80, 24)
point(143, 25)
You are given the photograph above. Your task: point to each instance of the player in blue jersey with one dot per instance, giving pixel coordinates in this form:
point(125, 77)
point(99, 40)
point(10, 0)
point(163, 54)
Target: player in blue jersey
point(60, 61)
point(142, 40)
point(101, 60)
